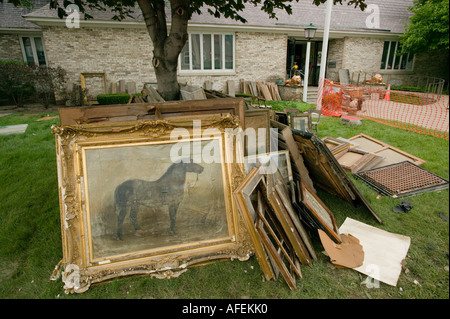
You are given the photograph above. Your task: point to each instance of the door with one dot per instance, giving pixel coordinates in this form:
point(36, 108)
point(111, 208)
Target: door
point(296, 54)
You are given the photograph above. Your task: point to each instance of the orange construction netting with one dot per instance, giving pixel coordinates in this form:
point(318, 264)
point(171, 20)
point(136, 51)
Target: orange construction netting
point(424, 113)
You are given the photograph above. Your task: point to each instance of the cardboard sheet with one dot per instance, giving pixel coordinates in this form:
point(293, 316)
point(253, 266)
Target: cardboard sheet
point(383, 251)
point(348, 254)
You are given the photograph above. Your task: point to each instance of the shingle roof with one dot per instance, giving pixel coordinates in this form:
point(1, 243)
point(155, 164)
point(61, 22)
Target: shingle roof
point(393, 15)
point(11, 16)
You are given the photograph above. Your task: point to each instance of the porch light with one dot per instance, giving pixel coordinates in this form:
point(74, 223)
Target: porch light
point(310, 31)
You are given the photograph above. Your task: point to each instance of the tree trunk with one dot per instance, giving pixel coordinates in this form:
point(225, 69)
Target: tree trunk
point(166, 46)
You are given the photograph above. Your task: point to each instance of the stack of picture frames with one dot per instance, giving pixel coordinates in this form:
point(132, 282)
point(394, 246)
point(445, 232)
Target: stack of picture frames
point(387, 169)
point(280, 205)
point(138, 197)
point(362, 152)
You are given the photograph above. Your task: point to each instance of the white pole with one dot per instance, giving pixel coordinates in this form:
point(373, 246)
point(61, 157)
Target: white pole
point(305, 80)
point(326, 31)
point(323, 60)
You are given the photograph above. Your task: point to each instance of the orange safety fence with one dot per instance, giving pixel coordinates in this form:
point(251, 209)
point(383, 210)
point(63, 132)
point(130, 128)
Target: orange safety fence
point(424, 113)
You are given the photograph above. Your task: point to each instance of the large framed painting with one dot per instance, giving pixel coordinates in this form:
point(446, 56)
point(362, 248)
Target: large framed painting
point(150, 197)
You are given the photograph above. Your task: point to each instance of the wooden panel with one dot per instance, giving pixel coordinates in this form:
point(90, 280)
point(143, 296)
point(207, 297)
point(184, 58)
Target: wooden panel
point(149, 111)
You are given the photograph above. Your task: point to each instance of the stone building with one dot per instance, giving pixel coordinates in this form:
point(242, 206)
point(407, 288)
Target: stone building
point(263, 49)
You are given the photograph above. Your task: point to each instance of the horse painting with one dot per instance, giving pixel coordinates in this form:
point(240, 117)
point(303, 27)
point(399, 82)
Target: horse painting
point(167, 190)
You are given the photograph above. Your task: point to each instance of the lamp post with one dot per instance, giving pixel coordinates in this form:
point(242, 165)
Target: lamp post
point(309, 34)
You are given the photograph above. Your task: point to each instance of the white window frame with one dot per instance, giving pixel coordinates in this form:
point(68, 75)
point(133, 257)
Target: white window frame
point(213, 71)
point(33, 48)
point(395, 44)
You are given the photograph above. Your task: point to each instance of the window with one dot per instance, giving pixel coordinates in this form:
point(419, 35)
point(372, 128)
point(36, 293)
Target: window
point(206, 52)
point(390, 60)
point(33, 50)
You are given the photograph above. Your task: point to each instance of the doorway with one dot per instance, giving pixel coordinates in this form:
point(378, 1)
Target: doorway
point(296, 54)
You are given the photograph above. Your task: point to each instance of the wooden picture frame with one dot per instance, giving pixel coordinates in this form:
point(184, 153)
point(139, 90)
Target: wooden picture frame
point(259, 121)
point(320, 212)
point(286, 222)
point(245, 195)
point(301, 122)
point(390, 154)
point(287, 200)
point(354, 160)
point(83, 77)
point(326, 172)
point(277, 244)
point(271, 163)
point(100, 165)
point(336, 146)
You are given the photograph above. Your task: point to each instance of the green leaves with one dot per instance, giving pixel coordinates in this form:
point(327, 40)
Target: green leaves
point(428, 27)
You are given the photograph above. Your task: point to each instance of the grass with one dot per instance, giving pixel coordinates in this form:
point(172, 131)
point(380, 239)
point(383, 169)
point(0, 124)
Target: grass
point(30, 236)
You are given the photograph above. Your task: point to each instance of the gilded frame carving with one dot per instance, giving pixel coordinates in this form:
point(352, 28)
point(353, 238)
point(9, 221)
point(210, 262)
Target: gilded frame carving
point(81, 152)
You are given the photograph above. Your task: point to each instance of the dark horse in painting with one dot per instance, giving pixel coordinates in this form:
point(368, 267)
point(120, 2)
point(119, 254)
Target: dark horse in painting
point(167, 190)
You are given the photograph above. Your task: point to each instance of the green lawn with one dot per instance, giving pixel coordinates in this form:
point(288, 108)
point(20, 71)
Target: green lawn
point(30, 236)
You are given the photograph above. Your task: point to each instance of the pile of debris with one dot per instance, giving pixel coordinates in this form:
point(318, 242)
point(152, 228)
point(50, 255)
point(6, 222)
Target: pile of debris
point(296, 80)
point(262, 91)
point(387, 169)
point(276, 200)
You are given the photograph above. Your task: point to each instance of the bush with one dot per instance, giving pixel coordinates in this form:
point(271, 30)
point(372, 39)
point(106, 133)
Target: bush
point(16, 82)
point(20, 82)
point(409, 88)
point(107, 99)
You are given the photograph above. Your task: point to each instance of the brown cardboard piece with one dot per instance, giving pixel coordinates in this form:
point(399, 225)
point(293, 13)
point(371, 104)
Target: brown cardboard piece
point(348, 254)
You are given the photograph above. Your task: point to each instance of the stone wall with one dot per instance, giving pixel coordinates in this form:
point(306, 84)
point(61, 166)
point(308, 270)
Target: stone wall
point(334, 60)
point(10, 47)
point(122, 54)
point(364, 54)
point(126, 54)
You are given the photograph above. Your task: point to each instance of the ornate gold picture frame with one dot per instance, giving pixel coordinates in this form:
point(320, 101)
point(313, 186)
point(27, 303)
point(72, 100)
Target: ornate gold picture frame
point(132, 198)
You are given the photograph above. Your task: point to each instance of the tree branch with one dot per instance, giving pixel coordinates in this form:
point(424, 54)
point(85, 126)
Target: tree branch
point(155, 19)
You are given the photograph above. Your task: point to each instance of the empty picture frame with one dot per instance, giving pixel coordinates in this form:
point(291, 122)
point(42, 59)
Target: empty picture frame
point(277, 244)
point(128, 181)
point(320, 213)
point(246, 199)
point(83, 77)
point(283, 191)
point(336, 146)
point(286, 222)
point(301, 122)
point(390, 154)
point(354, 160)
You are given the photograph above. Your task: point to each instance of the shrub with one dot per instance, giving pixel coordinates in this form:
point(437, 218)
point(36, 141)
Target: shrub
point(21, 82)
point(16, 82)
point(107, 99)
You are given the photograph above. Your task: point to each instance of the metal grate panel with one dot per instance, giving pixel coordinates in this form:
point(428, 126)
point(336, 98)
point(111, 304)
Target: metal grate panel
point(402, 179)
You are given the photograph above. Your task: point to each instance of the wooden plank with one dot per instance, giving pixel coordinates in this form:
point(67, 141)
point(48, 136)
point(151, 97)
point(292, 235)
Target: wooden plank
point(208, 85)
point(84, 115)
point(231, 88)
point(263, 90)
point(296, 158)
